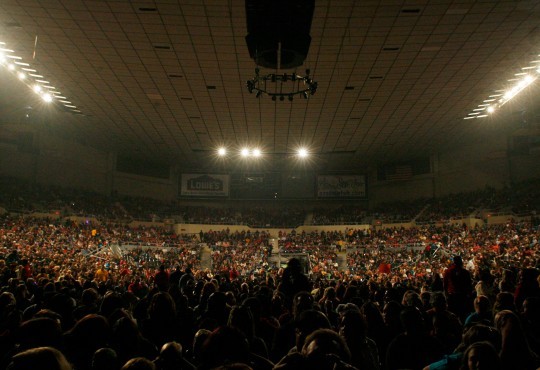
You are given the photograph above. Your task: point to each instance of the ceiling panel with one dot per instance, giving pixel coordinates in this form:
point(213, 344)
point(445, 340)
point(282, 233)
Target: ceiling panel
point(394, 76)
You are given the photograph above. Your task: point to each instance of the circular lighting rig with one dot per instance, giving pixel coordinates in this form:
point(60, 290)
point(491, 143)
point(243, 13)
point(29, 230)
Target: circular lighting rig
point(282, 85)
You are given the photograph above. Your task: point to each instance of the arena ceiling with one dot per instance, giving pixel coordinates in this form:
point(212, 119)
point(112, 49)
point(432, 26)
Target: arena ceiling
point(166, 80)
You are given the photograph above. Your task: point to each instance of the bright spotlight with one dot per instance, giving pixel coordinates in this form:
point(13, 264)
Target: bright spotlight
point(256, 152)
point(47, 98)
point(36, 88)
point(222, 152)
point(11, 67)
point(244, 152)
point(21, 76)
point(490, 109)
point(302, 152)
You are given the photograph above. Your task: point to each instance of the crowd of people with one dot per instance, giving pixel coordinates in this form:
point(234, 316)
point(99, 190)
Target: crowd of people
point(343, 215)
point(240, 253)
point(405, 300)
point(522, 198)
point(398, 307)
point(85, 296)
point(23, 197)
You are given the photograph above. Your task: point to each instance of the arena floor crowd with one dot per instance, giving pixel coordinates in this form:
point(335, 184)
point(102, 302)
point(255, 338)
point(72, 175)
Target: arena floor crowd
point(108, 296)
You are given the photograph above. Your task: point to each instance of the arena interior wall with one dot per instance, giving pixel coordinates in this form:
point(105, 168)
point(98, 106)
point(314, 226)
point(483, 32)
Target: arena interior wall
point(472, 167)
point(50, 159)
point(142, 186)
point(16, 163)
point(526, 166)
point(68, 164)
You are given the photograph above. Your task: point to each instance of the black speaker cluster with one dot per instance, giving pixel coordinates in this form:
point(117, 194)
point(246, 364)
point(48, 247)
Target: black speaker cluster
point(278, 32)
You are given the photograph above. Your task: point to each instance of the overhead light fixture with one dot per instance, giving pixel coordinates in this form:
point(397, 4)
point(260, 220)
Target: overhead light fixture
point(499, 99)
point(29, 76)
point(302, 152)
point(256, 152)
point(522, 84)
point(282, 85)
point(222, 151)
point(244, 152)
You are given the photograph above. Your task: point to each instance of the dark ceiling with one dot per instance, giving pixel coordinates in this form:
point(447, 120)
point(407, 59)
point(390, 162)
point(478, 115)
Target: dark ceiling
point(165, 80)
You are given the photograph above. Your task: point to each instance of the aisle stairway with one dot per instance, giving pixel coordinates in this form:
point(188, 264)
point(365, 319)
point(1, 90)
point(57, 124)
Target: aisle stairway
point(206, 257)
point(309, 218)
point(342, 261)
point(427, 206)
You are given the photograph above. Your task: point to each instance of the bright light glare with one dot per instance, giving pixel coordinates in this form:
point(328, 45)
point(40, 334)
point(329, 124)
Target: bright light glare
point(256, 152)
point(36, 88)
point(526, 81)
point(21, 76)
point(222, 151)
point(47, 98)
point(490, 109)
point(302, 152)
point(11, 67)
point(245, 152)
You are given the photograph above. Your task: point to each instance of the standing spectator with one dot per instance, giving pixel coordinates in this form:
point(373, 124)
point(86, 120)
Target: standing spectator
point(293, 280)
point(458, 288)
point(102, 274)
point(527, 286)
point(161, 279)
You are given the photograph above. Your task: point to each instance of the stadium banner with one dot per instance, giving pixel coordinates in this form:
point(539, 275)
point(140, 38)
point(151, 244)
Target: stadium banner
point(337, 186)
point(204, 185)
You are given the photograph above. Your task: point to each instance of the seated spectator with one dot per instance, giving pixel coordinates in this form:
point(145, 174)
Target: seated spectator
point(477, 333)
point(481, 355)
point(482, 312)
point(105, 359)
point(41, 358)
point(139, 363)
point(323, 349)
point(515, 350)
point(353, 328)
point(228, 345)
point(171, 358)
point(413, 349)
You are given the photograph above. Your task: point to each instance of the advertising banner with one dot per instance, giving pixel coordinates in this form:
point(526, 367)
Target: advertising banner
point(204, 185)
point(336, 186)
